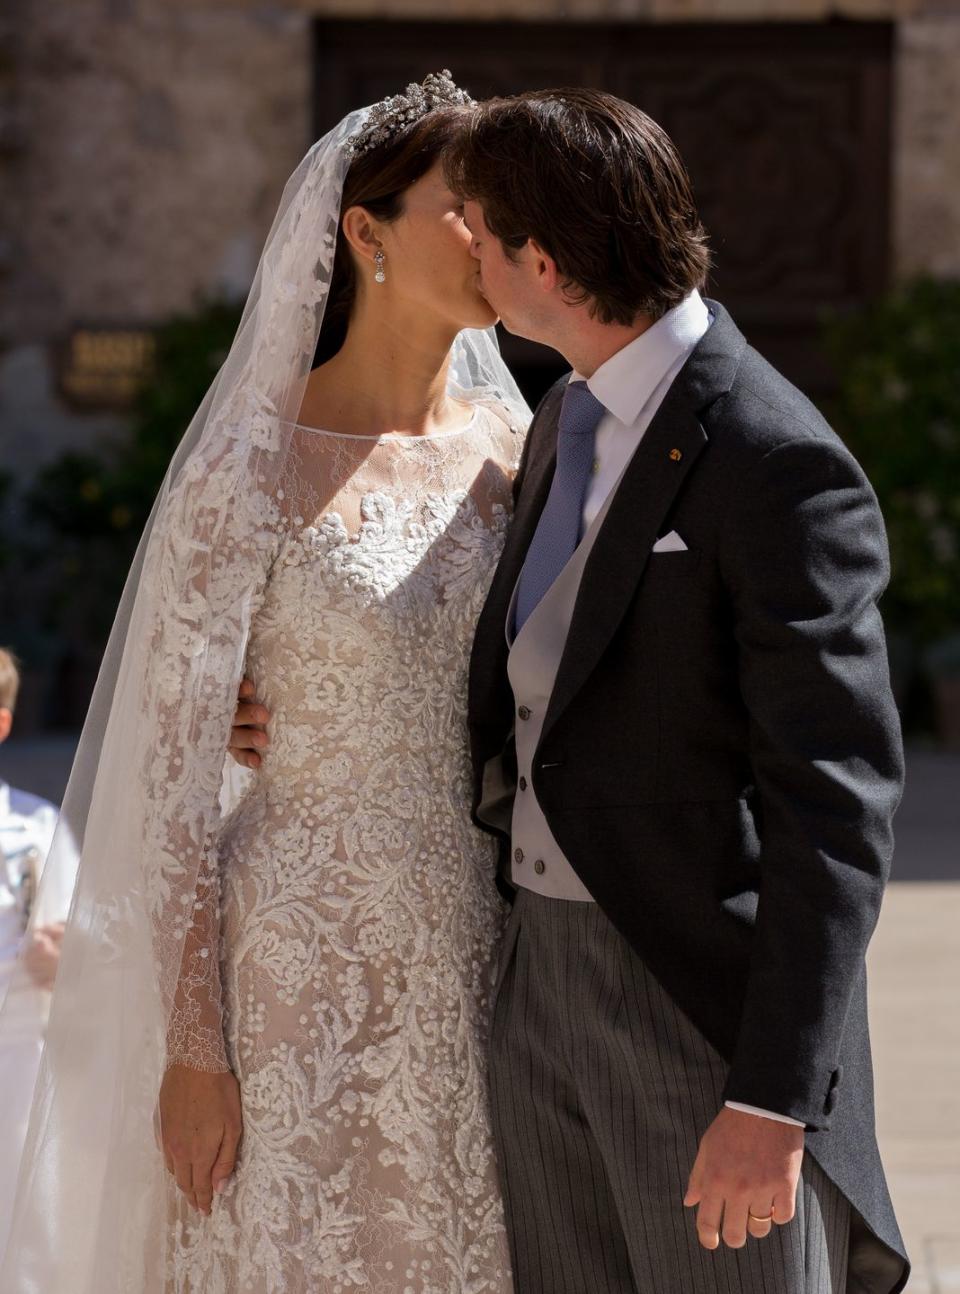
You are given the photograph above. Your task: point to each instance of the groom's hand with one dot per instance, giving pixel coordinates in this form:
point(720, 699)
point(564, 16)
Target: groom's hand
point(247, 735)
point(746, 1164)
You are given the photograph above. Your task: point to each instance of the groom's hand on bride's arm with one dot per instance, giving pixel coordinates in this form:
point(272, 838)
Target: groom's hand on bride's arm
point(248, 740)
point(745, 1164)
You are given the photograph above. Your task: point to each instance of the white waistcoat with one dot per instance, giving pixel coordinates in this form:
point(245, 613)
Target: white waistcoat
point(537, 862)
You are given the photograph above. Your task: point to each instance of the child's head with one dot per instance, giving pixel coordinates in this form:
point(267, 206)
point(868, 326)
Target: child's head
point(9, 686)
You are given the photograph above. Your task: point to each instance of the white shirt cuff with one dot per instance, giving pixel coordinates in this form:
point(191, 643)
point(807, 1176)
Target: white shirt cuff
point(765, 1114)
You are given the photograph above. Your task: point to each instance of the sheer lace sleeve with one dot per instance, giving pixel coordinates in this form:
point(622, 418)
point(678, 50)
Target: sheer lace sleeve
point(195, 1025)
point(209, 570)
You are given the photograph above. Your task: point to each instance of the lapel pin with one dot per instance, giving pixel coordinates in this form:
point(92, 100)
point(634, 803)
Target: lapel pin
point(676, 455)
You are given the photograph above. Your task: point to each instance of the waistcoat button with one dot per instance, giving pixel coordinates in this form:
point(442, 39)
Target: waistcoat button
point(523, 784)
point(518, 855)
point(523, 712)
point(538, 866)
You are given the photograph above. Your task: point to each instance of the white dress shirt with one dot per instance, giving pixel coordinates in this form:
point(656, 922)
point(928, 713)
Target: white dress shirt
point(26, 831)
point(631, 386)
point(27, 826)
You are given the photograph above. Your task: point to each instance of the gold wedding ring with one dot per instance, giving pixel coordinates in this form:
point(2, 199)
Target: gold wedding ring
point(751, 1214)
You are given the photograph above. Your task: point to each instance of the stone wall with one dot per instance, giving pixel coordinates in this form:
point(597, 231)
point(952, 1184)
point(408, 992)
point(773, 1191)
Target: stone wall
point(926, 160)
point(613, 10)
point(144, 143)
point(152, 140)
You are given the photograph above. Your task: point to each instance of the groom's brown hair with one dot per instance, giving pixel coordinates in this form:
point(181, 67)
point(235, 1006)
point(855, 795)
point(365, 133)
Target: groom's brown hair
point(598, 185)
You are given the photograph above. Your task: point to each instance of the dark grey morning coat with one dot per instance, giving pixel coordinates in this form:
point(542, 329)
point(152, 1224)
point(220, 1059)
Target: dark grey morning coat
point(721, 757)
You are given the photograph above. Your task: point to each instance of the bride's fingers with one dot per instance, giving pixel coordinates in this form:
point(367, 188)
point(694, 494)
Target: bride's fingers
point(202, 1187)
point(226, 1159)
point(167, 1157)
point(183, 1172)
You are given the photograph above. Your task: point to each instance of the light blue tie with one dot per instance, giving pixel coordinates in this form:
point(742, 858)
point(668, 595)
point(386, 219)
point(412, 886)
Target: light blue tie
point(558, 532)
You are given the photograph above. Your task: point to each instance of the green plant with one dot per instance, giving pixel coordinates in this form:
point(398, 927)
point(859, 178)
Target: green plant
point(87, 510)
point(898, 408)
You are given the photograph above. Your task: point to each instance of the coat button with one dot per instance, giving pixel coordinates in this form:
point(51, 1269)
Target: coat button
point(523, 784)
point(518, 855)
point(538, 866)
point(523, 712)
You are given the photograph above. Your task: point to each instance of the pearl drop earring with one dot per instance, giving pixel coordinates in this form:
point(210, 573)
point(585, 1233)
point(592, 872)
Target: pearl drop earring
point(379, 258)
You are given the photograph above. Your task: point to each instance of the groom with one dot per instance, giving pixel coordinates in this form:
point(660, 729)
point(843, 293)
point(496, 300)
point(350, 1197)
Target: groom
point(684, 736)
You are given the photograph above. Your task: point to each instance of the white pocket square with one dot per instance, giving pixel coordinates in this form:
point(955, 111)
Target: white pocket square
point(671, 543)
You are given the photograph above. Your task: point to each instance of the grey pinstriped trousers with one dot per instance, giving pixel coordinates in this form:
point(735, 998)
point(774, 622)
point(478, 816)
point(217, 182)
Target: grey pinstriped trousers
point(601, 1090)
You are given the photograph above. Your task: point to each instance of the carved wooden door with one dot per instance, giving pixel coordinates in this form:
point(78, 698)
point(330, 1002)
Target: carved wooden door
point(785, 129)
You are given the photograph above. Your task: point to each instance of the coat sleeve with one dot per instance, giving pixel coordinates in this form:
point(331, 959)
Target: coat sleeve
point(803, 553)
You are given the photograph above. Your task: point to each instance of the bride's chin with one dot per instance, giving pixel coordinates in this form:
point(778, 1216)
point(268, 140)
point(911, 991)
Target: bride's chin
point(478, 319)
point(483, 305)
point(487, 315)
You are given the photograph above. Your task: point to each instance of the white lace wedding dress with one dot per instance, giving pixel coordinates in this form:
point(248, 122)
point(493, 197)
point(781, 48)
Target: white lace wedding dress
point(359, 920)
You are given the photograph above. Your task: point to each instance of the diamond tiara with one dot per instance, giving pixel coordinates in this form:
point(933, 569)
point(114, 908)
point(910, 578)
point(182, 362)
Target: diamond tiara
point(390, 116)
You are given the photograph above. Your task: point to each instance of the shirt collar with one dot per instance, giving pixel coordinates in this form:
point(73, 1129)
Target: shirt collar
point(626, 381)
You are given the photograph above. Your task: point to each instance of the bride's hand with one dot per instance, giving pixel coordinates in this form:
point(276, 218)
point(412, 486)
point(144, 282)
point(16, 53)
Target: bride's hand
point(247, 736)
point(200, 1129)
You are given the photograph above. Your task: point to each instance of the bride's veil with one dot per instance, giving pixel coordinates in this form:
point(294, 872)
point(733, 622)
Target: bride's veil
point(149, 781)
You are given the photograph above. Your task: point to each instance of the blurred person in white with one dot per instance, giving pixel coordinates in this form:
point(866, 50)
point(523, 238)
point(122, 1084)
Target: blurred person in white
point(296, 978)
point(27, 825)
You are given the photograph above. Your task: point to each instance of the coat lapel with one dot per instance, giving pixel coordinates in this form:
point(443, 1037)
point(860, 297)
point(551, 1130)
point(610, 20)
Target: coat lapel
point(647, 491)
point(653, 478)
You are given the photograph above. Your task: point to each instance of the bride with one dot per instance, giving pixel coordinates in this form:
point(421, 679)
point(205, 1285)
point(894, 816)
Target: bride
point(301, 965)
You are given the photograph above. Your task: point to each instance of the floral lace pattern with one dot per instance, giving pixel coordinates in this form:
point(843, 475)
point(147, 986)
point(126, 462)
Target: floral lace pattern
point(358, 915)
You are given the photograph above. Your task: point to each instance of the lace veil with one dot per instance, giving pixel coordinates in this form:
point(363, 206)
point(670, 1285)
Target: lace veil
point(150, 780)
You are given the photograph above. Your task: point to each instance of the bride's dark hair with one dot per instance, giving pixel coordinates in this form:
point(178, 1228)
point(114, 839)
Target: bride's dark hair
point(377, 181)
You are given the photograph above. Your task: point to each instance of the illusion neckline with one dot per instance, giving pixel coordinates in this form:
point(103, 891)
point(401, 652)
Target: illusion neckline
point(394, 435)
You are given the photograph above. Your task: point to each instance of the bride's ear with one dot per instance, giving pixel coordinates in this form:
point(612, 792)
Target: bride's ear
point(361, 232)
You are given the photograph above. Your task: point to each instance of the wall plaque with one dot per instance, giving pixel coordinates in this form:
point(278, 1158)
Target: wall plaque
point(105, 367)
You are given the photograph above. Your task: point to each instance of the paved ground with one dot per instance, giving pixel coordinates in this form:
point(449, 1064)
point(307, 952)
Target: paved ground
point(914, 967)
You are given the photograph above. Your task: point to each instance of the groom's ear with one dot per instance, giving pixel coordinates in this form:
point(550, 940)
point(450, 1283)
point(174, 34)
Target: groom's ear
point(542, 264)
